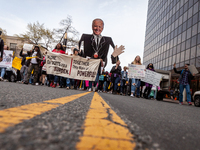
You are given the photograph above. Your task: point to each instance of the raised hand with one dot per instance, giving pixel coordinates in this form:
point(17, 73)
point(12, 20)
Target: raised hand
point(118, 51)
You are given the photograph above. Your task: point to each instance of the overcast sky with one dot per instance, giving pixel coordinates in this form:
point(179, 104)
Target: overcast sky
point(125, 20)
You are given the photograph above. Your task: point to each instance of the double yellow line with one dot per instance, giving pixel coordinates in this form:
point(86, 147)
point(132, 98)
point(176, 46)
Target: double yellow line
point(12, 116)
point(103, 128)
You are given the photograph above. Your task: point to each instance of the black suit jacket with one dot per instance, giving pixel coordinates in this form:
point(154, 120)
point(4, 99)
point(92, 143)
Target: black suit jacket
point(90, 47)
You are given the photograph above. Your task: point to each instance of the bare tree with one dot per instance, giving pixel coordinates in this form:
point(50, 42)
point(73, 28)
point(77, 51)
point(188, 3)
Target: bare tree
point(72, 33)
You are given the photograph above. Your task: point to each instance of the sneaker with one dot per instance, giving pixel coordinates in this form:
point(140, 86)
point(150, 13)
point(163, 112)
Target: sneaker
point(90, 89)
point(180, 103)
point(36, 83)
point(93, 89)
point(54, 86)
point(1, 79)
point(132, 95)
point(121, 93)
point(51, 84)
point(189, 103)
point(67, 88)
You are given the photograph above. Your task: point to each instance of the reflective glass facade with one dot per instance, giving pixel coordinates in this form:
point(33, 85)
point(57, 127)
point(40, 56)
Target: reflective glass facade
point(172, 33)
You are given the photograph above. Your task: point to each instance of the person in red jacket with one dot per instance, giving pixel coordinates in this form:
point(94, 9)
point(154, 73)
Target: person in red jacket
point(58, 49)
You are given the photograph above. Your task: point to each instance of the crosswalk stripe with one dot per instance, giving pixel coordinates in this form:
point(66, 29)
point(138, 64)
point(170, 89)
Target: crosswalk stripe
point(12, 116)
point(104, 129)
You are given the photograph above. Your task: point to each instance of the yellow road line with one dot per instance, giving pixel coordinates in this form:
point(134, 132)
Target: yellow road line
point(12, 116)
point(104, 129)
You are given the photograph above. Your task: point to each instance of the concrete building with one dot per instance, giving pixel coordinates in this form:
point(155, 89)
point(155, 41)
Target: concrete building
point(173, 36)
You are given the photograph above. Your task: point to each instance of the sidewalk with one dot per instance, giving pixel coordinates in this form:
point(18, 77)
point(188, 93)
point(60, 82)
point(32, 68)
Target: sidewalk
point(175, 101)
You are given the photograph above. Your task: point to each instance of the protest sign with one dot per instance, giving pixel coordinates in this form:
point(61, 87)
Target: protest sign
point(152, 77)
point(136, 71)
point(72, 66)
point(27, 47)
point(17, 63)
point(7, 59)
point(193, 69)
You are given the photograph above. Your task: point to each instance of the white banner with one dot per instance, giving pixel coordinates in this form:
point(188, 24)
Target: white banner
point(152, 77)
point(136, 71)
point(74, 67)
point(7, 59)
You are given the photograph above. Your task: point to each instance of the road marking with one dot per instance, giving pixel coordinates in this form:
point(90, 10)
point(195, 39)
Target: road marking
point(104, 129)
point(12, 116)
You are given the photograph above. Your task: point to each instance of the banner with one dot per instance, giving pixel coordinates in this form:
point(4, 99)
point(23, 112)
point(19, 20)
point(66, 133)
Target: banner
point(152, 77)
point(136, 71)
point(7, 59)
point(17, 63)
point(193, 69)
point(74, 67)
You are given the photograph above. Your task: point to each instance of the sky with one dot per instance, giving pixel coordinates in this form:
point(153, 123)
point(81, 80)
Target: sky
point(124, 20)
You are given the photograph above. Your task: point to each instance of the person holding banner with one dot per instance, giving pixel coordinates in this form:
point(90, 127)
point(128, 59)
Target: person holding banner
point(184, 82)
point(136, 82)
point(34, 64)
point(58, 49)
point(148, 86)
point(116, 76)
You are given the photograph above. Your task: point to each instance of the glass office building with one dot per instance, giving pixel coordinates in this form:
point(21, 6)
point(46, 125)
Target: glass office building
point(172, 33)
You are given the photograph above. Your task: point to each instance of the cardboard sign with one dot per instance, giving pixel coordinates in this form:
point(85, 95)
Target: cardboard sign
point(17, 63)
point(74, 67)
point(7, 59)
point(27, 47)
point(193, 69)
point(136, 71)
point(152, 77)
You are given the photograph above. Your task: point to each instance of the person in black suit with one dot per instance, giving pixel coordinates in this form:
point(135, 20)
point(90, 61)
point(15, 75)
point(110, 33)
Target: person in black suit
point(96, 45)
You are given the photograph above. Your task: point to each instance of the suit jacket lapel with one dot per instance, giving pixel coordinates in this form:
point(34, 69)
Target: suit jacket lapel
point(101, 43)
point(93, 43)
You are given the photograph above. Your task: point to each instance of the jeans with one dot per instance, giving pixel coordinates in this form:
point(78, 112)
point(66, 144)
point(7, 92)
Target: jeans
point(67, 81)
point(181, 88)
point(123, 86)
point(95, 82)
point(56, 79)
point(137, 84)
point(24, 73)
point(3, 71)
point(105, 86)
point(115, 83)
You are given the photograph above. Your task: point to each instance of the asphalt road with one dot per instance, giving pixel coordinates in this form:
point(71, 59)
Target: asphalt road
point(154, 124)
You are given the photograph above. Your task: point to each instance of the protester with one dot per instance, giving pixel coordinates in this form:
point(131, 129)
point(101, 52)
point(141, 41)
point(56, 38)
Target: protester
point(34, 64)
point(184, 82)
point(116, 76)
point(136, 82)
point(58, 49)
point(25, 65)
point(43, 72)
point(148, 86)
point(3, 69)
point(124, 80)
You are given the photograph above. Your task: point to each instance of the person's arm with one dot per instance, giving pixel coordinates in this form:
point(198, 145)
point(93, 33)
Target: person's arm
point(113, 59)
point(175, 70)
point(20, 54)
point(79, 45)
point(113, 69)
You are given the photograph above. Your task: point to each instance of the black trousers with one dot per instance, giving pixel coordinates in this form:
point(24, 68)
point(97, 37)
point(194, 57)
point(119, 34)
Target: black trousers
point(147, 92)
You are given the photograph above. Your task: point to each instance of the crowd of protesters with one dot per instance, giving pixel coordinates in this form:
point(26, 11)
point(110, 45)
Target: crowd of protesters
point(96, 46)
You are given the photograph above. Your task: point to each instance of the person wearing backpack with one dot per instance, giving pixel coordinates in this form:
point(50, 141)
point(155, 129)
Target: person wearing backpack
point(184, 82)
